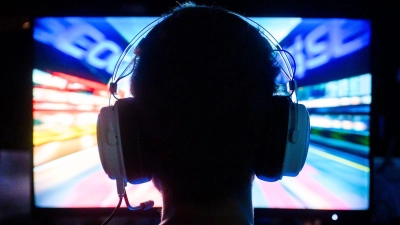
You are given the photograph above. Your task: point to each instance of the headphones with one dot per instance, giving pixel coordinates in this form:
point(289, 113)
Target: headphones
point(118, 135)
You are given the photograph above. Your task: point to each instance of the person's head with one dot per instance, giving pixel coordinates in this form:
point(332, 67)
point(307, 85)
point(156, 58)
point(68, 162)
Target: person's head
point(203, 85)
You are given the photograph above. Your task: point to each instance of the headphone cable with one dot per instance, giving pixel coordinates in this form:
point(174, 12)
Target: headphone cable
point(113, 213)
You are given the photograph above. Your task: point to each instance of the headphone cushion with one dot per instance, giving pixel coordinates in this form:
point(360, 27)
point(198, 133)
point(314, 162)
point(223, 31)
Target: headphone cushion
point(135, 159)
point(270, 160)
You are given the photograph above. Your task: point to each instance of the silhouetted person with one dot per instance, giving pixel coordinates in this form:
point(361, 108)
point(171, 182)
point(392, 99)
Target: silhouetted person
point(203, 85)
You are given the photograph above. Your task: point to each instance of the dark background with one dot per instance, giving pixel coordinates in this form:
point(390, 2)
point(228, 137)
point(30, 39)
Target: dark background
point(16, 84)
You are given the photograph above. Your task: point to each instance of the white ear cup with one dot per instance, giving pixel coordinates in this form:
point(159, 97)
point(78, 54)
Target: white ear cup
point(298, 140)
point(108, 139)
point(118, 144)
point(287, 141)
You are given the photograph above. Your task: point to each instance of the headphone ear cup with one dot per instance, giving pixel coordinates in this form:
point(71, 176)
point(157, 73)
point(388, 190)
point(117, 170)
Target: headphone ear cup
point(298, 141)
point(118, 143)
point(108, 144)
point(286, 142)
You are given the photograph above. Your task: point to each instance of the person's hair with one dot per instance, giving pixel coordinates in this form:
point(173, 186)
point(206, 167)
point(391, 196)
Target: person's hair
point(203, 83)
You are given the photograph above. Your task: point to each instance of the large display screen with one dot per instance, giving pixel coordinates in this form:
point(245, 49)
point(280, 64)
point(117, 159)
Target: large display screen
point(73, 65)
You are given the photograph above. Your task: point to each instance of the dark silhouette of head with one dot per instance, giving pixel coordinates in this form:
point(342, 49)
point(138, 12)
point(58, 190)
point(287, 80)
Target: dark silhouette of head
point(203, 85)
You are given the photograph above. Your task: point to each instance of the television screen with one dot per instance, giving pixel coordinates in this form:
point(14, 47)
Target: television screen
point(73, 65)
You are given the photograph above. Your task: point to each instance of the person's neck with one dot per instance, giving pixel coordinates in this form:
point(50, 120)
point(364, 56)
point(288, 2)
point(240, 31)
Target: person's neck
point(230, 211)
